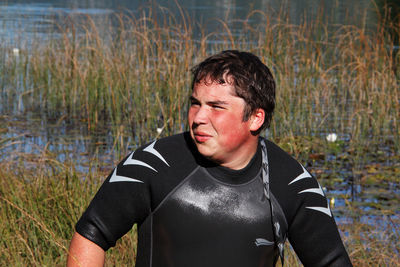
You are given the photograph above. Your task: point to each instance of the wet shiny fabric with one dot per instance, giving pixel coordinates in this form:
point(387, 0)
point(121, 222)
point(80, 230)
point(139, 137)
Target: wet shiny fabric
point(205, 222)
point(192, 212)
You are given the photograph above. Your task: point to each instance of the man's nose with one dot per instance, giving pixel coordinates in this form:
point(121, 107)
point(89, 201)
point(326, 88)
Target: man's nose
point(201, 116)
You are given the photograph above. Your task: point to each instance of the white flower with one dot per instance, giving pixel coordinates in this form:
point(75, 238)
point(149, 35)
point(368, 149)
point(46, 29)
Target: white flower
point(331, 137)
point(332, 202)
point(15, 51)
point(159, 130)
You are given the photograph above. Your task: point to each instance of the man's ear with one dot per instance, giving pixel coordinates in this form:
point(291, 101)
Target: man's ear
point(257, 119)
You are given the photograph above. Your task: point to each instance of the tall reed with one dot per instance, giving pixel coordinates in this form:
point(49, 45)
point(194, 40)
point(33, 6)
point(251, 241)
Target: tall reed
point(133, 73)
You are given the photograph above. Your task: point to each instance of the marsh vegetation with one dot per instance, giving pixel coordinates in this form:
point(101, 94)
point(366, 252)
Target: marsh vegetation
point(133, 78)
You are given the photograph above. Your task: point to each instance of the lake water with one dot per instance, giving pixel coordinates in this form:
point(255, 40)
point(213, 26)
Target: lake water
point(21, 21)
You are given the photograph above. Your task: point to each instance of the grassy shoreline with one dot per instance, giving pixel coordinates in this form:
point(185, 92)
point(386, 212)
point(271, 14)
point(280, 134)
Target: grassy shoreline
point(39, 209)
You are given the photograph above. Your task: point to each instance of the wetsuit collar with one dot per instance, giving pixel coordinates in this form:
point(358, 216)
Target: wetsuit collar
point(241, 176)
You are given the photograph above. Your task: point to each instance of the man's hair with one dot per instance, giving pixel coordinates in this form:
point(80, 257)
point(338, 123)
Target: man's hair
point(251, 79)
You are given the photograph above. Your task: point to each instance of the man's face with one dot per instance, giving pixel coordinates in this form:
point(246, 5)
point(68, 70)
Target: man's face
point(216, 123)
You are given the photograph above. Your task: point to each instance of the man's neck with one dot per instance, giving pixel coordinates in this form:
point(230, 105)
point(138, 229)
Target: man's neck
point(245, 156)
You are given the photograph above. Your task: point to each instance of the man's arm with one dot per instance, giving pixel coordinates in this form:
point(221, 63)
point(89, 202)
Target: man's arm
point(312, 231)
point(83, 252)
point(120, 202)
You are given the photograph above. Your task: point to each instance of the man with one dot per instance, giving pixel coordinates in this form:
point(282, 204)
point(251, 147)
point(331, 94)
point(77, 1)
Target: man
point(218, 195)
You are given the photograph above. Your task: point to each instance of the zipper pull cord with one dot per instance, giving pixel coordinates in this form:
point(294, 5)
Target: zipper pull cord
point(279, 236)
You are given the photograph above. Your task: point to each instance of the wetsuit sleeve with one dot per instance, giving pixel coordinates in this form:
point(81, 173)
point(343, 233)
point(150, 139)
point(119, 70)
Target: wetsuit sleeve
point(121, 201)
point(312, 230)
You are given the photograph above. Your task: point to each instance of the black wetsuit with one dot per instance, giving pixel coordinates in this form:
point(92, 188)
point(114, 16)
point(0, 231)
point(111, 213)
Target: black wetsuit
point(192, 212)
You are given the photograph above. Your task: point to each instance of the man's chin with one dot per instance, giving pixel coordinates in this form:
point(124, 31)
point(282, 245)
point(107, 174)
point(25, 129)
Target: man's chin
point(204, 150)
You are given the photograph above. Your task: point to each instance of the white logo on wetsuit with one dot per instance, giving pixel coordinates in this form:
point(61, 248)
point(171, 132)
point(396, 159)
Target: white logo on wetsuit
point(263, 242)
point(304, 175)
point(130, 161)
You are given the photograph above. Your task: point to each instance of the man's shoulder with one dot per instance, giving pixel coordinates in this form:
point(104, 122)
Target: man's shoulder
point(170, 142)
point(281, 160)
point(284, 168)
point(292, 183)
point(159, 157)
point(172, 148)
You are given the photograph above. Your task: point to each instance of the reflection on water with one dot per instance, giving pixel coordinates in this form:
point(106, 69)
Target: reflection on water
point(68, 142)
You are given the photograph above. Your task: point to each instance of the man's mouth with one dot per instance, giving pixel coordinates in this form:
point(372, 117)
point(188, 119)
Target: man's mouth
point(201, 136)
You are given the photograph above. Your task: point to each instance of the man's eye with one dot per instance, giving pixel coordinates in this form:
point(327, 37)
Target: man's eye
point(194, 103)
point(217, 107)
